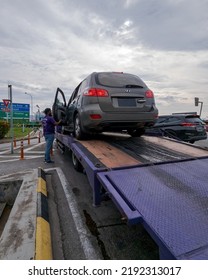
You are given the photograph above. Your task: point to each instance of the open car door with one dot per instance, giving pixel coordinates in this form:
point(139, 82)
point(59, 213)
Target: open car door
point(59, 107)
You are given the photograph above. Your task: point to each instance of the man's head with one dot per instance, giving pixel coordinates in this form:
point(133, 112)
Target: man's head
point(48, 112)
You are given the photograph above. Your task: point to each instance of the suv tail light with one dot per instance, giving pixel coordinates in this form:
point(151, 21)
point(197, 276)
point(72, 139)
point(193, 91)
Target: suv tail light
point(99, 92)
point(95, 116)
point(149, 94)
point(188, 124)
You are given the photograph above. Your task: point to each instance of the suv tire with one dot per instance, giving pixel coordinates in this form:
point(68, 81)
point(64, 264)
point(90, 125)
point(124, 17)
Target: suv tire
point(78, 131)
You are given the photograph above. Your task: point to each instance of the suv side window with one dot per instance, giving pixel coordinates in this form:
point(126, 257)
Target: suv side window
point(161, 119)
point(193, 120)
point(74, 94)
point(82, 87)
point(78, 90)
point(173, 119)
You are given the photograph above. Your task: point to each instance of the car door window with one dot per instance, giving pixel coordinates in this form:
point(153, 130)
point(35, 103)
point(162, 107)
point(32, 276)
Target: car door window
point(74, 95)
point(161, 119)
point(77, 92)
point(173, 120)
point(60, 99)
point(59, 106)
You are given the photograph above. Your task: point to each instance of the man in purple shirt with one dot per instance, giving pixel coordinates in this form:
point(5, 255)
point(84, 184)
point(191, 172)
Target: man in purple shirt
point(49, 124)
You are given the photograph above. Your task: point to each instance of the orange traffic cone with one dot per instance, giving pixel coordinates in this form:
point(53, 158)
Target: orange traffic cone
point(39, 137)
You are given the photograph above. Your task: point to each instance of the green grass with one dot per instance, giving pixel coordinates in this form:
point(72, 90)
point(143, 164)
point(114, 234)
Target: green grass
point(18, 132)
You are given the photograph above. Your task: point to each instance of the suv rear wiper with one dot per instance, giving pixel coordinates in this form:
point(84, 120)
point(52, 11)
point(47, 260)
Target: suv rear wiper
point(133, 86)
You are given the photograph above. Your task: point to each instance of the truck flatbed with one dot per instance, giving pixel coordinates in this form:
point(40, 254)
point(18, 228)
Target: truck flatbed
point(169, 196)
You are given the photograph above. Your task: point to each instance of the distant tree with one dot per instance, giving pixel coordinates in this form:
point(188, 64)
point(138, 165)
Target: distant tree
point(4, 128)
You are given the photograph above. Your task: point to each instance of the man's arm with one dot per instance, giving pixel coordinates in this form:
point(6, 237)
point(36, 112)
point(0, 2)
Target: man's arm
point(57, 123)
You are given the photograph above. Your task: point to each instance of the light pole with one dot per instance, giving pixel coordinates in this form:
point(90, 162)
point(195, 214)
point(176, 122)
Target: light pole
point(11, 118)
point(38, 112)
point(31, 104)
point(196, 100)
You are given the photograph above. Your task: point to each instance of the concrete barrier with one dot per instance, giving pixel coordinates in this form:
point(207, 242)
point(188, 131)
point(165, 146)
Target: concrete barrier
point(43, 245)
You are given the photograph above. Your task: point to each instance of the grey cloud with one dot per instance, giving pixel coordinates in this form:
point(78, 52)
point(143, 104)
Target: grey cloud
point(171, 25)
point(203, 64)
point(167, 98)
point(157, 24)
point(45, 44)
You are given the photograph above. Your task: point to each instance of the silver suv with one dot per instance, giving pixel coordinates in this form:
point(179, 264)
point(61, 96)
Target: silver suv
point(107, 101)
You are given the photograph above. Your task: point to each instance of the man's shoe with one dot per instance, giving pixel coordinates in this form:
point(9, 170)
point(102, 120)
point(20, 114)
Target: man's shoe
point(49, 161)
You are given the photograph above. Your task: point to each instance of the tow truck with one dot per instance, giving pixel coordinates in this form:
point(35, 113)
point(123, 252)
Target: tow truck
point(156, 181)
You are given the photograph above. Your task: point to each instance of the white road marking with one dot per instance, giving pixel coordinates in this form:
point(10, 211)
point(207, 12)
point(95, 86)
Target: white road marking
point(28, 153)
point(84, 237)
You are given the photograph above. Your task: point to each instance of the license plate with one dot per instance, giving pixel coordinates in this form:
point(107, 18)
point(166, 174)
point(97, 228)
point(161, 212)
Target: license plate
point(126, 102)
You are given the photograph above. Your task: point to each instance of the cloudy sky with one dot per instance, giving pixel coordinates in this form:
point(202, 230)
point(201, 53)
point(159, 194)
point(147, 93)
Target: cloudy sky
point(56, 43)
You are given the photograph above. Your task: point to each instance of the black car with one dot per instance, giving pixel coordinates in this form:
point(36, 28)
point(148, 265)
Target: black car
point(185, 127)
point(206, 124)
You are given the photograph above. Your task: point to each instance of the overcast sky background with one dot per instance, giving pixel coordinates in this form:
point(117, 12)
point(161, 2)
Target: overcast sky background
point(57, 43)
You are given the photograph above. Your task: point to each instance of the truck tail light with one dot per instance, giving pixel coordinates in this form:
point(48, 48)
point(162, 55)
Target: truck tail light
point(99, 92)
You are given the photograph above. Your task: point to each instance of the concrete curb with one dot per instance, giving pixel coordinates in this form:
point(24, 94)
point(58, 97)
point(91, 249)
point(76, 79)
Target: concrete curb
point(17, 241)
point(43, 245)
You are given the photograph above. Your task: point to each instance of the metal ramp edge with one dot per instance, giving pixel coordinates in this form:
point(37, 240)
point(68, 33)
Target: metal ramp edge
point(128, 211)
point(170, 199)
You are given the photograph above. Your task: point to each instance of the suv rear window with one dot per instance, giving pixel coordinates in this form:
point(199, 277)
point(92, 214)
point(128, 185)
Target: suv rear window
point(119, 80)
point(193, 120)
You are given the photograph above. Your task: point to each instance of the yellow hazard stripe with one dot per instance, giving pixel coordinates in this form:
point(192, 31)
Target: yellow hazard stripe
point(43, 240)
point(42, 186)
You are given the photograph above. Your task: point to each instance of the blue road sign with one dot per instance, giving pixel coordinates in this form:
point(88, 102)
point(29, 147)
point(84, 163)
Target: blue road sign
point(20, 110)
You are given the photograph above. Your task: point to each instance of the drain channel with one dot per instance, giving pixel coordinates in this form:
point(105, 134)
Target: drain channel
point(8, 194)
